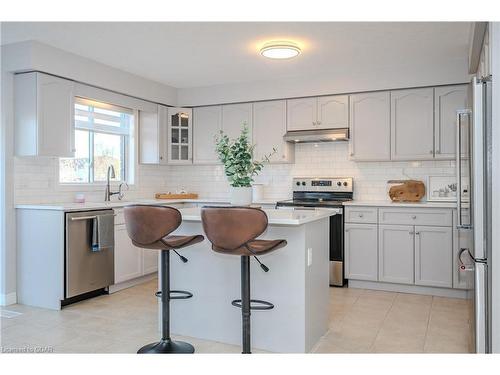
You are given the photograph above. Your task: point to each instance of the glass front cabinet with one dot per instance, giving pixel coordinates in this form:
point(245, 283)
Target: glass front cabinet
point(180, 135)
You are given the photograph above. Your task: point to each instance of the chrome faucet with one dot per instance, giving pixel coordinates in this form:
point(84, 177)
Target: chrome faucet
point(108, 193)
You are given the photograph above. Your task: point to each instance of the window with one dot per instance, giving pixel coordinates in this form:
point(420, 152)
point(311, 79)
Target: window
point(103, 137)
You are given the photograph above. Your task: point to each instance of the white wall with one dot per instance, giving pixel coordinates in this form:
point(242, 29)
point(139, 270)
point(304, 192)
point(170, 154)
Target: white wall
point(397, 76)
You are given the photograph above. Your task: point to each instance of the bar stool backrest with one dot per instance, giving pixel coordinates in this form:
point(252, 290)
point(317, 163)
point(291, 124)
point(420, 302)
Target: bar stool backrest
point(229, 228)
point(147, 224)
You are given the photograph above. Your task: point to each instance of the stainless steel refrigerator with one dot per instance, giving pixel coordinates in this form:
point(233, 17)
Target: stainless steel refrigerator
point(473, 163)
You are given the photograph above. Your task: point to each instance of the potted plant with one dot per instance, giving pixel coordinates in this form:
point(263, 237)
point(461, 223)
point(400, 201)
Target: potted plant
point(239, 166)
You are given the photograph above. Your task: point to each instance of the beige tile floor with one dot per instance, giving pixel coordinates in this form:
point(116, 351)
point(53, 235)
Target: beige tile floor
point(360, 321)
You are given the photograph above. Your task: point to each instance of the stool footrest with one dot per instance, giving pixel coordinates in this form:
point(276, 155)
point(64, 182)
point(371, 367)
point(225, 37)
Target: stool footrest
point(255, 304)
point(181, 294)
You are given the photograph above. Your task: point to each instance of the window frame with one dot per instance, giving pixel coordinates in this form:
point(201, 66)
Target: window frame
point(129, 162)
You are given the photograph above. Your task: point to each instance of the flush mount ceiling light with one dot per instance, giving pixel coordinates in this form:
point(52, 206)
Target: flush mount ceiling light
point(280, 50)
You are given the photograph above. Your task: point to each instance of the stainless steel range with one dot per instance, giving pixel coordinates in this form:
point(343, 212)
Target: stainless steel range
point(326, 193)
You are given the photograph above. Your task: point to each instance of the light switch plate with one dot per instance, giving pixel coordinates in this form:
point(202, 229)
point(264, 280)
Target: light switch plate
point(309, 256)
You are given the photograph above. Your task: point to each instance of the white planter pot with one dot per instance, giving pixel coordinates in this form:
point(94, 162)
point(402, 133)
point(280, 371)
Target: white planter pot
point(241, 196)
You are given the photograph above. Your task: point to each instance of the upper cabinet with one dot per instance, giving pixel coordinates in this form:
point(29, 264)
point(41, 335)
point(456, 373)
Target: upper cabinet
point(412, 124)
point(370, 126)
point(447, 100)
point(269, 126)
point(326, 112)
point(153, 136)
point(43, 115)
point(207, 124)
point(179, 133)
point(233, 117)
point(333, 112)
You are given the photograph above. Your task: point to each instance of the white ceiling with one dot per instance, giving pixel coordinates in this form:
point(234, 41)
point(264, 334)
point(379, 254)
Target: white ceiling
point(204, 54)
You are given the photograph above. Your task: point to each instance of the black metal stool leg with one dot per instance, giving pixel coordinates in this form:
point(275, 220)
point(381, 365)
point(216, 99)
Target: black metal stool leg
point(166, 345)
point(245, 303)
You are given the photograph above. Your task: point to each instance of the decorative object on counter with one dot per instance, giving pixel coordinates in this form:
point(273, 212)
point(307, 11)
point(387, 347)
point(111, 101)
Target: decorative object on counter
point(444, 188)
point(79, 198)
point(176, 196)
point(257, 192)
point(406, 190)
point(237, 157)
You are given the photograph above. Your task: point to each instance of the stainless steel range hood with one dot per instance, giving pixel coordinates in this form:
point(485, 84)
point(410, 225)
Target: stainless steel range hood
point(316, 136)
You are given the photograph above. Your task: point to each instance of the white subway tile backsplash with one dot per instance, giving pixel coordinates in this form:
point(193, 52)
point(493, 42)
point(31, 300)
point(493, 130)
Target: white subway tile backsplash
point(36, 178)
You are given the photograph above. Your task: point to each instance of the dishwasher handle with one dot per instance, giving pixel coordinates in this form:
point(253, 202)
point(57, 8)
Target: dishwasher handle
point(78, 218)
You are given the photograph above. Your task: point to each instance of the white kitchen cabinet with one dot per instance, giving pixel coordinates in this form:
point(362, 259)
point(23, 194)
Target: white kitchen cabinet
point(361, 254)
point(149, 261)
point(370, 126)
point(447, 100)
point(412, 124)
point(153, 136)
point(433, 256)
point(301, 114)
point(233, 118)
point(43, 115)
point(128, 258)
point(396, 254)
point(333, 112)
point(207, 124)
point(179, 135)
point(269, 127)
point(326, 112)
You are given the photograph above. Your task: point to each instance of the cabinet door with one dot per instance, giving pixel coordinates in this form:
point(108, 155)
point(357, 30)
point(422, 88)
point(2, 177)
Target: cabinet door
point(301, 114)
point(128, 258)
point(149, 138)
point(370, 126)
point(333, 112)
point(433, 256)
point(361, 253)
point(207, 124)
point(447, 100)
point(412, 124)
point(233, 118)
point(56, 120)
point(179, 135)
point(269, 127)
point(396, 255)
point(149, 261)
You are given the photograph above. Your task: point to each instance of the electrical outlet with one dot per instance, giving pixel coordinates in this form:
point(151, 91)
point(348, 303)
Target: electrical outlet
point(309, 256)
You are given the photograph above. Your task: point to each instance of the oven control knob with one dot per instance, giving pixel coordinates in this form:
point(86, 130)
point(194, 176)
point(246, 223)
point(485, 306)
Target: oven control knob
point(303, 183)
point(345, 183)
point(298, 183)
point(339, 183)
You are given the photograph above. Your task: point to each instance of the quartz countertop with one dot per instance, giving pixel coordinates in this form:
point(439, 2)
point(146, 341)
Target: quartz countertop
point(387, 203)
point(69, 206)
point(275, 217)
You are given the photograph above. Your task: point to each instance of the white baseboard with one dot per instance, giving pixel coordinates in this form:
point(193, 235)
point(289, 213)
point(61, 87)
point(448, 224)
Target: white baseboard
point(403, 288)
point(130, 283)
point(8, 299)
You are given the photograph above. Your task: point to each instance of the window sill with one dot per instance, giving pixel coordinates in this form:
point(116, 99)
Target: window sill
point(91, 187)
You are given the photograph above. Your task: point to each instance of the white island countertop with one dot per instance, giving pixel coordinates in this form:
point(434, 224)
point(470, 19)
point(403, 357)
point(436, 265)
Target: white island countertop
point(87, 206)
point(275, 217)
point(387, 203)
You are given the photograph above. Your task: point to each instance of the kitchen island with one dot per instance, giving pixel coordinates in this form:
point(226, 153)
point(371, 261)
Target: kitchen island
point(297, 285)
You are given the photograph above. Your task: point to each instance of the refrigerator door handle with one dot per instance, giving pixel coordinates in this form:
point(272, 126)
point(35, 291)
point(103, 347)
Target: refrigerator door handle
point(460, 114)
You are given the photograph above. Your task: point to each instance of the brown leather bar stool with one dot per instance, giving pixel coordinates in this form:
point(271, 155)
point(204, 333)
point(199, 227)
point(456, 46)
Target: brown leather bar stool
point(149, 227)
point(233, 231)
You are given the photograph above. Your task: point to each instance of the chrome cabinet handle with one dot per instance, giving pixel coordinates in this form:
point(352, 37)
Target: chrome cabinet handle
point(414, 217)
point(417, 233)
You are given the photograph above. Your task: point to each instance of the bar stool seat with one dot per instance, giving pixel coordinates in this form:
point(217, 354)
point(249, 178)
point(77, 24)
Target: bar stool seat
point(172, 242)
point(259, 247)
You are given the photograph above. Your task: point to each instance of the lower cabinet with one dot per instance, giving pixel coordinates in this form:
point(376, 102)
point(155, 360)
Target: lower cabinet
point(131, 261)
point(128, 258)
point(396, 253)
point(360, 243)
point(433, 256)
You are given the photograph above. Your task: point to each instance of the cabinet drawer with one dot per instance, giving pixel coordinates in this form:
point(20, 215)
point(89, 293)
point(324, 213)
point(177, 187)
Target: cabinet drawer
point(415, 216)
point(361, 215)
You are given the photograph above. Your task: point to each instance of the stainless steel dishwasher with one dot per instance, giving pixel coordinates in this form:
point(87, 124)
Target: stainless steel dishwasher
point(86, 270)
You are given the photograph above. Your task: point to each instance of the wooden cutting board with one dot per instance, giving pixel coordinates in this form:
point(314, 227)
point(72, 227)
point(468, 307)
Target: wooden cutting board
point(176, 196)
point(408, 191)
